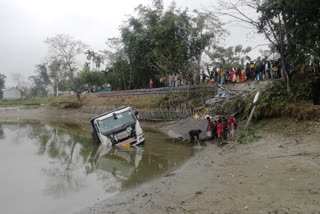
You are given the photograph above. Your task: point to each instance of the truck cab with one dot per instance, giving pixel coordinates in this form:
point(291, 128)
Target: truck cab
point(119, 127)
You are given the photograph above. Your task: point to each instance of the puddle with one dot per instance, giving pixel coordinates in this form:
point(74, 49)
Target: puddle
point(57, 168)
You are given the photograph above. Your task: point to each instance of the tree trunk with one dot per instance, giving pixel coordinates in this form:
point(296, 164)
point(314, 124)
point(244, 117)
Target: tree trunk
point(57, 89)
point(124, 81)
point(130, 77)
point(285, 74)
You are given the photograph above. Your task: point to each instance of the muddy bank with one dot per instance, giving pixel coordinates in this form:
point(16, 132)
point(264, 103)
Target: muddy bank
point(279, 173)
point(181, 128)
point(41, 113)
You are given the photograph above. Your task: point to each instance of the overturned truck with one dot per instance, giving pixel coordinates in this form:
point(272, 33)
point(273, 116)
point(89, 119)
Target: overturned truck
point(119, 127)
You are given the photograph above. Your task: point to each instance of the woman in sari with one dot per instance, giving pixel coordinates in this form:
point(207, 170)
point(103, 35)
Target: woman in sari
point(222, 76)
point(231, 75)
point(238, 74)
point(243, 75)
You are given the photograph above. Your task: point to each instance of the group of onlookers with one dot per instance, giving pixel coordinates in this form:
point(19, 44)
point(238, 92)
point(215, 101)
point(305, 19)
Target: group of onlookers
point(260, 70)
point(177, 79)
point(222, 129)
point(217, 130)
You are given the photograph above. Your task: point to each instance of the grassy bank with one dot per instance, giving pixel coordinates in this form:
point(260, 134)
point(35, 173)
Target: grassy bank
point(276, 102)
point(137, 101)
point(71, 101)
point(35, 101)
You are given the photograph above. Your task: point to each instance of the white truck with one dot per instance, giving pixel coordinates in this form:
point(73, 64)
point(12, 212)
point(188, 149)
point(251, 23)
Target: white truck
point(119, 127)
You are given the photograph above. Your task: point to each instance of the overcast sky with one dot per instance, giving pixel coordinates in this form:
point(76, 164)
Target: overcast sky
point(25, 24)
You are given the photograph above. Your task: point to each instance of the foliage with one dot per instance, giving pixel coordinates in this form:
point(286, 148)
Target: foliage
point(95, 58)
point(40, 81)
point(227, 58)
point(92, 78)
point(56, 73)
point(159, 42)
point(2, 83)
point(249, 136)
point(292, 27)
point(276, 101)
point(65, 50)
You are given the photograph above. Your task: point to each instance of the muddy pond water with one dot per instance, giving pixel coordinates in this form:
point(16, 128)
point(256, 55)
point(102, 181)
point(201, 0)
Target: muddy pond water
point(56, 168)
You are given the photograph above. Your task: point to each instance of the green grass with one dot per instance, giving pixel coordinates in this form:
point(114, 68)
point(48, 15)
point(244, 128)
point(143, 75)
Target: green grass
point(44, 100)
point(138, 101)
point(37, 101)
point(250, 136)
point(66, 99)
point(275, 101)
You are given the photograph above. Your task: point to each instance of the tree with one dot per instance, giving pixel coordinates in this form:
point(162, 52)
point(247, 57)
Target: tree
point(56, 72)
point(2, 81)
point(207, 30)
point(41, 81)
point(92, 78)
point(97, 59)
point(292, 27)
point(65, 49)
point(227, 58)
point(159, 42)
point(2, 84)
point(17, 78)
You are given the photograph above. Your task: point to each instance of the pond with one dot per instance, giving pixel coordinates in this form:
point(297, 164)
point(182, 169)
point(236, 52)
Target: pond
point(56, 167)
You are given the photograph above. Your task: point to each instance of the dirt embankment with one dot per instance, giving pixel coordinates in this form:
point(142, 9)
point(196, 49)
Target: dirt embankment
point(42, 113)
point(279, 173)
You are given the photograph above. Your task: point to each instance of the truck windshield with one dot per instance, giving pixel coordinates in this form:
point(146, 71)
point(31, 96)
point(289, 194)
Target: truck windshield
point(112, 123)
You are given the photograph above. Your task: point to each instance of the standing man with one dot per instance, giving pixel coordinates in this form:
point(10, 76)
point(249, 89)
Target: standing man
point(161, 81)
point(224, 129)
point(248, 71)
point(210, 128)
point(261, 71)
point(252, 71)
point(216, 76)
point(267, 69)
point(215, 130)
point(232, 127)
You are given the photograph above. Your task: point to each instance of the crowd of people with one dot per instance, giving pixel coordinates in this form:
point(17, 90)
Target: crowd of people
point(260, 70)
point(218, 131)
point(221, 130)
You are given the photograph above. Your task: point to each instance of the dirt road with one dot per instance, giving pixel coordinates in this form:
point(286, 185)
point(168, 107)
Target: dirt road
point(279, 173)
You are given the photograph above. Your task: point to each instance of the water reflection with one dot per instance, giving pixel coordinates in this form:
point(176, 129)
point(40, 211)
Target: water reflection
point(57, 168)
point(68, 155)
